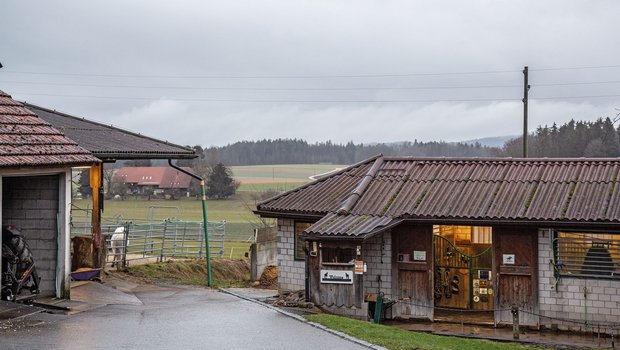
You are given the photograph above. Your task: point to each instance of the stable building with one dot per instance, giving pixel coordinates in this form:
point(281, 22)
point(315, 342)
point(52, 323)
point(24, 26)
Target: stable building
point(440, 234)
point(35, 178)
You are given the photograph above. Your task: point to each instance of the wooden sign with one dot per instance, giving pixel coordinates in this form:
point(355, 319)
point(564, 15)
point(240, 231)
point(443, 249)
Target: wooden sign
point(337, 276)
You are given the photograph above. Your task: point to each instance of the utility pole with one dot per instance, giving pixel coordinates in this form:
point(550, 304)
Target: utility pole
point(526, 89)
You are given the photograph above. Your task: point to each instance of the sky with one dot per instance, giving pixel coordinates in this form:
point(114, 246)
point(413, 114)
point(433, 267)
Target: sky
point(211, 73)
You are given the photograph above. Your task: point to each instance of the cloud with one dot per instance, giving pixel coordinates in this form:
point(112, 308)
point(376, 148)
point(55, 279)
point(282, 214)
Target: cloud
point(194, 123)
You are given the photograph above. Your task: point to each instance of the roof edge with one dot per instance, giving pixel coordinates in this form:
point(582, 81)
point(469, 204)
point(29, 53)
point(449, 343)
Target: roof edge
point(371, 159)
point(27, 105)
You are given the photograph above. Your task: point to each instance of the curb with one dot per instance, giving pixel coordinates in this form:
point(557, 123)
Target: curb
point(301, 319)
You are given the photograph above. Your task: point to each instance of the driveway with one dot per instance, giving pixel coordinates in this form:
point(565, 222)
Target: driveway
point(170, 317)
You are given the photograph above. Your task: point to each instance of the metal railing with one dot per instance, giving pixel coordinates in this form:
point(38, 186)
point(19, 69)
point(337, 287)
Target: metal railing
point(587, 255)
point(157, 240)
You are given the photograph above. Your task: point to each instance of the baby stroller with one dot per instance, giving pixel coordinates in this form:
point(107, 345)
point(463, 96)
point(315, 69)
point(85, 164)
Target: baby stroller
point(18, 268)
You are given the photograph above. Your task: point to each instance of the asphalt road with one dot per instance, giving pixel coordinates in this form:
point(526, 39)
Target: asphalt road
point(170, 317)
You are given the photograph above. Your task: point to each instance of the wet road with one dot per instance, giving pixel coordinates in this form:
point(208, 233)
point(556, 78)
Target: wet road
point(171, 318)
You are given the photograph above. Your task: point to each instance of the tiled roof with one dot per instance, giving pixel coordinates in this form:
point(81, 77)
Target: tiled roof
point(28, 141)
point(549, 190)
point(108, 142)
point(162, 177)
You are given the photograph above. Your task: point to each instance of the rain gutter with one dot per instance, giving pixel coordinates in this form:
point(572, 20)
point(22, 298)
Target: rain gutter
point(203, 197)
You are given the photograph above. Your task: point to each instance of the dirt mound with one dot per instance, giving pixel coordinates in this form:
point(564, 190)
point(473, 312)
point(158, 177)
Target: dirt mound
point(225, 272)
point(269, 277)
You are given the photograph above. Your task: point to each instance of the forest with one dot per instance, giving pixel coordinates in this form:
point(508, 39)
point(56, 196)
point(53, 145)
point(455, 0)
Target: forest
point(593, 139)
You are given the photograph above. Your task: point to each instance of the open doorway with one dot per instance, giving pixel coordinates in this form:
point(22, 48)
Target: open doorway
point(463, 260)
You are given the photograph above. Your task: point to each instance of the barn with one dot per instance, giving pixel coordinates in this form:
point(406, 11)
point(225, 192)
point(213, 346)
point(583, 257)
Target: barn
point(437, 236)
point(35, 176)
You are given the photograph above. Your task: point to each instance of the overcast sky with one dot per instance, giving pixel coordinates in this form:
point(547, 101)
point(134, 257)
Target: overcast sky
point(212, 73)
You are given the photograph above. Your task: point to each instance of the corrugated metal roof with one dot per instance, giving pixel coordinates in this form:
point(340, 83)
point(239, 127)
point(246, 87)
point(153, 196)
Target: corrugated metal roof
point(562, 190)
point(111, 143)
point(348, 225)
point(28, 141)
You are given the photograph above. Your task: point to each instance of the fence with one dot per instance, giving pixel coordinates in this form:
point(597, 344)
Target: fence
point(156, 240)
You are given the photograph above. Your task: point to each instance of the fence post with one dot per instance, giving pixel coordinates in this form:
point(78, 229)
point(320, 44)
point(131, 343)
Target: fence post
point(126, 244)
point(163, 242)
point(515, 322)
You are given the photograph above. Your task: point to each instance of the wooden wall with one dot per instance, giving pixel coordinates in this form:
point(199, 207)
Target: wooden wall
point(412, 280)
point(517, 283)
point(331, 294)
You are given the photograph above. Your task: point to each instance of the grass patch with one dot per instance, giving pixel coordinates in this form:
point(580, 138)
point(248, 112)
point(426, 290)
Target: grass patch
point(225, 272)
point(399, 339)
point(280, 172)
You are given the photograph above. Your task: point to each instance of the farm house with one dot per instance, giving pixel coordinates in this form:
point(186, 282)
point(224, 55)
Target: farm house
point(35, 174)
point(437, 236)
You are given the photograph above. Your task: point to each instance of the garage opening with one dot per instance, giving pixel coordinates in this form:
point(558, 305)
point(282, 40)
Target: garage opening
point(31, 204)
point(462, 265)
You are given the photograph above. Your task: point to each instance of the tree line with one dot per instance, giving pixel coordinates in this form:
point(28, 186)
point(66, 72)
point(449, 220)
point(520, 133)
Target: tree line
point(593, 139)
point(295, 151)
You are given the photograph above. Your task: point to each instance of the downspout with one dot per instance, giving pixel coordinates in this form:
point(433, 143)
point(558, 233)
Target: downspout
point(203, 197)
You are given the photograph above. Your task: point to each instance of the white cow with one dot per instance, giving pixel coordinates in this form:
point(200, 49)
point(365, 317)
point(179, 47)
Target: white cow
point(117, 243)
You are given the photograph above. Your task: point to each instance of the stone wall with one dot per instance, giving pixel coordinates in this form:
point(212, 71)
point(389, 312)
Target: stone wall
point(567, 301)
point(31, 204)
point(291, 272)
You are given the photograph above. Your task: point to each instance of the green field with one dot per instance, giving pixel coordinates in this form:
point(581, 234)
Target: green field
point(281, 173)
point(257, 182)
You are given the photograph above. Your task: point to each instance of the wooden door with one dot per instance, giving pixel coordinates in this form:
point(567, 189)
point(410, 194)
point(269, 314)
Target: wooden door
point(412, 271)
point(516, 262)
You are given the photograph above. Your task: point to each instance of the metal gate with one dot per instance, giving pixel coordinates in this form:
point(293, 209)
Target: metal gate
point(462, 280)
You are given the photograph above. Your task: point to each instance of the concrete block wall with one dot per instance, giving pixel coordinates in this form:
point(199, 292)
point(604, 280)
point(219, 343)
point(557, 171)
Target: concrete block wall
point(377, 253)
point(291, 272)
point(266, 254)
point(31, 204)
point(567, 301)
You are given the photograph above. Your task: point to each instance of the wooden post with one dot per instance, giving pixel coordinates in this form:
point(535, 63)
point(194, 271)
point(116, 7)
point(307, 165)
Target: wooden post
point(96, 172)
point(515, 322)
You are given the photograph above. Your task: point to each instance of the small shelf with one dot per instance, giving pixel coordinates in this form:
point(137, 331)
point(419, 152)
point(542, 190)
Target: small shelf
point(336, 264)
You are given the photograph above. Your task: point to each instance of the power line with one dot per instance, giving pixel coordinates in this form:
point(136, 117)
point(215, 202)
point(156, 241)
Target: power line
point(271, 100)
point(315, 101)
point(260, 76)
point(262, 88)
point(576, 68)
point(196, 76)
point(307, 88)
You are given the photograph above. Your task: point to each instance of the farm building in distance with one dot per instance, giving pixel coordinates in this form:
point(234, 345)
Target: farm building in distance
point(439, 234)
point(154, 180)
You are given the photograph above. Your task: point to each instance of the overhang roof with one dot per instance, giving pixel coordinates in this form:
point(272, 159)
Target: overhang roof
point(28, 141)
point(382, 190)
point(110, 143)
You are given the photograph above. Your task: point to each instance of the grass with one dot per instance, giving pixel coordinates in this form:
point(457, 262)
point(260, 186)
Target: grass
point(283, 173)
point(269, 186)
point(226, 273)
point(399, 339)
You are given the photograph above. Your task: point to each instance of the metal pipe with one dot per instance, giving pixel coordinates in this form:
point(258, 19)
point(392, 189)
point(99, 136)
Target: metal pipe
point(203, 197)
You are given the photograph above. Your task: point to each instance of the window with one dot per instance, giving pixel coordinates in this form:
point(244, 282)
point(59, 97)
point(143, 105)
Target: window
point(338, 255)
point(299, 243)
point(580, 254)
